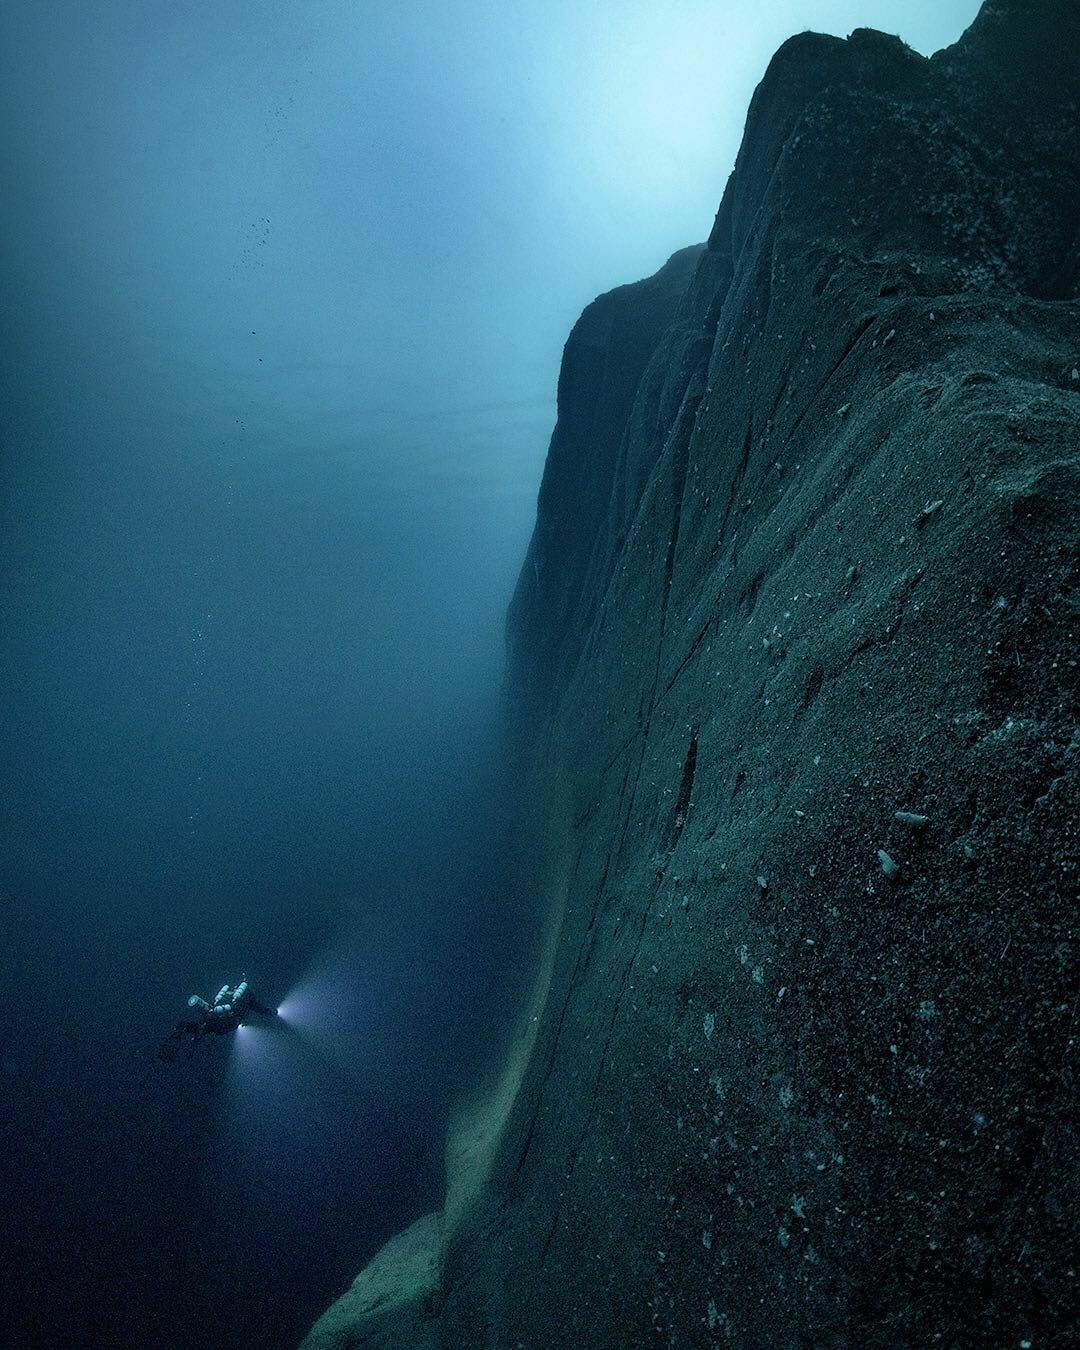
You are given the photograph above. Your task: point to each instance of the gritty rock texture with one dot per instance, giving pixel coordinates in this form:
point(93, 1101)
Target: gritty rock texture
point(794, 686)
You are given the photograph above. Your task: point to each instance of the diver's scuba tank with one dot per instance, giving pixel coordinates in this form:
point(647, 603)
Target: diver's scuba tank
point(239, 992)
point(222, 995)
point(196, 1002)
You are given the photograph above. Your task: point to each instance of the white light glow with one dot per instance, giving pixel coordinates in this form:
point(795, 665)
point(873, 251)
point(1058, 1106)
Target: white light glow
point(328, 1001)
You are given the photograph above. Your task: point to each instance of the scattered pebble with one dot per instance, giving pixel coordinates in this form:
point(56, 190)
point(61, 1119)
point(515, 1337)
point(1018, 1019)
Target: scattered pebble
point(709, 1024)
point(763, 881)
point(928, 510)
point(888, 337)
point(843, 411)
point(913, 819)
point(888, 865)
point(851, 574)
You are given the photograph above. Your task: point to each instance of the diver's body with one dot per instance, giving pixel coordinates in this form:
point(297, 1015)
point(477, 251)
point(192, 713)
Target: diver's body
point(230, 1009)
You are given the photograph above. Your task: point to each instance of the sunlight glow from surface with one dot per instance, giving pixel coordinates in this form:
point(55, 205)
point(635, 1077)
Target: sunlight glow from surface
point(655, 98)
point(646, 103)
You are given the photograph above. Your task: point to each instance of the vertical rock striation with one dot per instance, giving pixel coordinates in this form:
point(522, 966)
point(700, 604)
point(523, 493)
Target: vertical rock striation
point(793, 663)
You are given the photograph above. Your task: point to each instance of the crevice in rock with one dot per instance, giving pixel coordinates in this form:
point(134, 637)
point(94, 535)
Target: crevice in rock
point(691, 653)
point(686, 790)
point(860, 332)
point(736, 483)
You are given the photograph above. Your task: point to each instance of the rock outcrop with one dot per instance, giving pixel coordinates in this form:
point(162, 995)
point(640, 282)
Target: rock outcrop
point(793, 674)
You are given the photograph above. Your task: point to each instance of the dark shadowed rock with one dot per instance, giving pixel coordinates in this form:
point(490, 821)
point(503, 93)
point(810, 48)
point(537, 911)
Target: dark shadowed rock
point(802, 598)
point(603, 363)
point(390, 1302)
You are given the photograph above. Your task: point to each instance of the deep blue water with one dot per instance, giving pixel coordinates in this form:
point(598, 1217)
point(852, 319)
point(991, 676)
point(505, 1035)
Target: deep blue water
point(250, 726)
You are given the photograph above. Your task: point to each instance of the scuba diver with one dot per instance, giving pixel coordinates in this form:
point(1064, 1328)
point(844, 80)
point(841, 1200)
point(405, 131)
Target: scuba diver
point(230, 1009)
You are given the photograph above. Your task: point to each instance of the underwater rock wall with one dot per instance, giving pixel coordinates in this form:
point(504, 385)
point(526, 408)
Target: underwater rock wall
point(794, 681)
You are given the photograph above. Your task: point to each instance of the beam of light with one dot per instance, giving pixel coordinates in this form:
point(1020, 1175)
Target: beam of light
point(321, 1032)
point(265, 1079)
point(298, 1009)
point(256, 1048)
point(298, 1083)
point(330, 1003)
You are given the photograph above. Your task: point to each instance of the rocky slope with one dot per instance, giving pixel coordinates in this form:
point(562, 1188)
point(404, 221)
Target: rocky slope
point(794, 679)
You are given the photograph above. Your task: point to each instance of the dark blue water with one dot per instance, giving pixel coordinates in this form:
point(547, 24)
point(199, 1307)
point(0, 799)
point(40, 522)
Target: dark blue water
point(250, 702)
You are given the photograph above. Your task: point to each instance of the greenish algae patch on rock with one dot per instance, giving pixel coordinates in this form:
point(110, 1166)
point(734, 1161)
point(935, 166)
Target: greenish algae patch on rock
point(803, 686)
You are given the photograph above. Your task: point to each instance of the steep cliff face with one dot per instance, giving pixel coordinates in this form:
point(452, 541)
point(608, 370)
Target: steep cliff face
point(793, 662)
point(604, 360)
